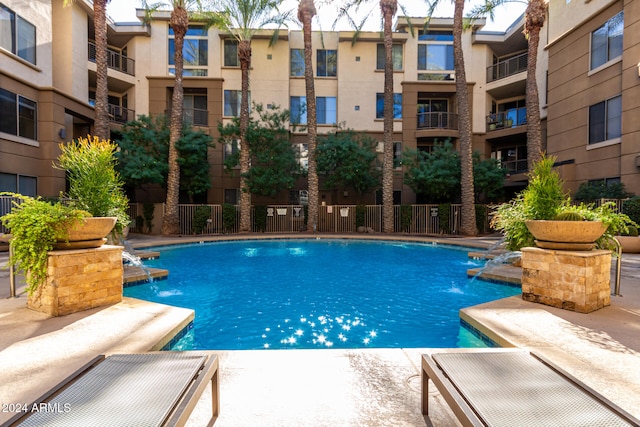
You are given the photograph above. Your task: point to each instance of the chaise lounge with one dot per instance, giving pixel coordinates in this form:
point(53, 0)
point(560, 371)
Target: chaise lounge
point(148, 389)
point(515, 387)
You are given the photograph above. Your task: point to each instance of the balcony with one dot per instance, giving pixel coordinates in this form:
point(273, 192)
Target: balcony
point(507, 119)
point(437, 121)
point(193, 116)
point(115, 60)
point(508, 67)
point(117, 114)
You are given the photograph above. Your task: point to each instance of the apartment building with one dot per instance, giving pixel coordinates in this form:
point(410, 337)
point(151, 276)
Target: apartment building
point(49, 84)
point(594, 91)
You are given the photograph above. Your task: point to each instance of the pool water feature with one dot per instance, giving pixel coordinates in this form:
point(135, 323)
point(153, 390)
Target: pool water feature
point(284, 294)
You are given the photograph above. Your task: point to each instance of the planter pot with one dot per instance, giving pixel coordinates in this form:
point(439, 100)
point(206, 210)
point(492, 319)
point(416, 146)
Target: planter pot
point(88, 234)
point(566, 235)
point(630, 244)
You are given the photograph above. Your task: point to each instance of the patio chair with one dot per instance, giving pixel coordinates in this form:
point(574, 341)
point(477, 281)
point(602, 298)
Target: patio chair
point(509, 388)
point(148, 389)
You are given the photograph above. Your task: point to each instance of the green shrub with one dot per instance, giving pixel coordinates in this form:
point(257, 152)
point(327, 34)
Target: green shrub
point(360, 215)
point(631, 208)
point(260, 218)
point(147, 212)
point(406, 217)
point(444, 214)
point(481, 218)
point(228, 217)
point(201, 216)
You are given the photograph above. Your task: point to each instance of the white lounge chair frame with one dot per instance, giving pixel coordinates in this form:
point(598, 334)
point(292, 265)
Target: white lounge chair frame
point(508, 388)
point(150, 389)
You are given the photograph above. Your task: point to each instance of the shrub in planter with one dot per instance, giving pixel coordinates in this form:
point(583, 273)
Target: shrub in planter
point(94, 184)
point(444, 213)
point(631, 208)
point(406, 216)
point(36, 226)
point(360, 215)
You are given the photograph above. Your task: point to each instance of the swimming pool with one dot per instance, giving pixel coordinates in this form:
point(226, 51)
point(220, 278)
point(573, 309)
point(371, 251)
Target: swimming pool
point(284, 294)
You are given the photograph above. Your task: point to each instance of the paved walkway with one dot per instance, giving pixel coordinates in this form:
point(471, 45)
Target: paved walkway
point(372, 387)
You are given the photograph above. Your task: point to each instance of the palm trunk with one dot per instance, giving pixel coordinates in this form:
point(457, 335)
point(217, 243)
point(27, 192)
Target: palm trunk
point(171, 220)
point(388, 9)
point(535, 17)
point(306, 11)
point(244, 55)
point(101, 124)
point(468, 214)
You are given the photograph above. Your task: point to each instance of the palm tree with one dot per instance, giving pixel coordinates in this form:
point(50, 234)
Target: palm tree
point(179, 21)
point(388, 9)
point(534, 19)
point(101, 121)
point(306, 12)
point(468, 211)
point(242, 19)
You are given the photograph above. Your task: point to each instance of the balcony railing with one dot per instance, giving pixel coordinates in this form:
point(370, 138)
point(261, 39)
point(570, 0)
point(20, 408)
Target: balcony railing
point(115, 60)
point(193, 116)
point(508, 67)
point(437, 121)
point(507, 119)
point(117, 113)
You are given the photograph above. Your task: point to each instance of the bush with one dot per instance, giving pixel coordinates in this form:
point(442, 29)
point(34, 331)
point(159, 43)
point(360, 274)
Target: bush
point(481, 218)
point(631, 208)
point(444, 214)
point(360, 215)
point(201, 216)
point(260, 218)
point(147, 213)
point(228, 217)
point(406, 217)
point(601, 190)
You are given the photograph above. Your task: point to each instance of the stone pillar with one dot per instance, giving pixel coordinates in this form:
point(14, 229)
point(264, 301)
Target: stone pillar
point(573, 280)
point(78, 280)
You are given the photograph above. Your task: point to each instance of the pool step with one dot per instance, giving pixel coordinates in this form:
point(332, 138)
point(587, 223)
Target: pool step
point(133, 274)
point(502, 273)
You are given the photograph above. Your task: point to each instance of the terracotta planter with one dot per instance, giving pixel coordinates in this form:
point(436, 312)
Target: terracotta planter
point(566, 235)
point(630, 244)
point(88, 234)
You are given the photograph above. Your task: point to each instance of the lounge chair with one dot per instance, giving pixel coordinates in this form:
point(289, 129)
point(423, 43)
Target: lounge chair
point(515, 388)
point(148, 389)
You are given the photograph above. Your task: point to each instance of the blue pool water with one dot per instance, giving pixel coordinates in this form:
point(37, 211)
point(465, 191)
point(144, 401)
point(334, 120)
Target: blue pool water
point(320, 294)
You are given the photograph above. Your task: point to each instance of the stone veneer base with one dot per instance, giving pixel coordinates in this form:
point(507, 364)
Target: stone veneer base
point(78, 280)
point(572, 280)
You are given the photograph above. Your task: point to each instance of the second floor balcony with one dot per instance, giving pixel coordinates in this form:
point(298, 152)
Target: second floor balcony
point(507, 67)
point(115, 60)
point(193, 116)
point(437, 121)
point(507, 119)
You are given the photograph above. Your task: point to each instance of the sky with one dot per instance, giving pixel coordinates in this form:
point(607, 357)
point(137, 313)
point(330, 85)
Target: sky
point(125, 11)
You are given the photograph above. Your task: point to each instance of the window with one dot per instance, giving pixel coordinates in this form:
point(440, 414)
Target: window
point(231, 53)
point(435, 55)
point(298, 108)
point(326, 110)
point(302, 154)
point(195, 107)
point(605, 120)
point(230, 150)
point(433, 113)
point(397, 105)
point(297, 62)
point(195, 51)
point(513, 158)
point(18, 115)
point(231, 195)
point(397, 155)
point(396, 56)
point(232, 100)
point(606, 41)
point(17, 35)
point(25, 185)
point(327, 63)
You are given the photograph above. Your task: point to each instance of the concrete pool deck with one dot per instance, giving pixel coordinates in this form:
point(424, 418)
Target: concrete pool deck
point(369, 387)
